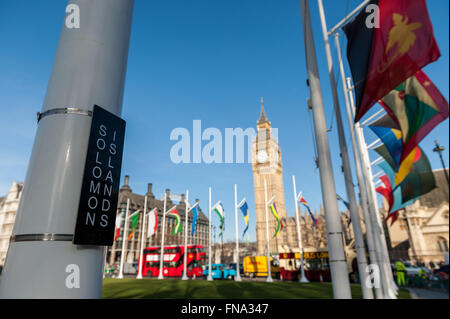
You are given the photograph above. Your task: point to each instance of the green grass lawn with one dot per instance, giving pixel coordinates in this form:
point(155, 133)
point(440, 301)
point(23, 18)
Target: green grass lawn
point(202, 289)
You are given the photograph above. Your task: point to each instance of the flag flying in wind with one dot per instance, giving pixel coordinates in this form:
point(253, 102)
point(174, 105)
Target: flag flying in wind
point(221, 213)
point(178, 228)
point(418, 181)
point(279, 226)
point(134, 223)
point(152, 224)
point(382, 57)
point(118, 225)
point(393, 198)
point(416, 106)
point(391, 145)
point(244, 209)
point(339, 198)
point(194, 219)
point(392, 140)
point(303, 201)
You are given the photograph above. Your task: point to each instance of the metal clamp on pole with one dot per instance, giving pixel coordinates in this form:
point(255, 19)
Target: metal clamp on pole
point(63, 110)
point(41, 237)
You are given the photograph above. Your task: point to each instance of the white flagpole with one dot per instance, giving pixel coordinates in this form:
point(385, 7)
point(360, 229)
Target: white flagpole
point(376, 228)
point(209, 277)
point(185, 277)
point(299, 235)
point(238, 275)
point(141, 253)
point(338, 265)
point(349, 186)
point(269, 269)
point(161, 258)
point(124, 240)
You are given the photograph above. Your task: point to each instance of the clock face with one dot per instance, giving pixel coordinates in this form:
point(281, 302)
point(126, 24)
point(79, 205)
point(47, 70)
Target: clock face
point(262, 156)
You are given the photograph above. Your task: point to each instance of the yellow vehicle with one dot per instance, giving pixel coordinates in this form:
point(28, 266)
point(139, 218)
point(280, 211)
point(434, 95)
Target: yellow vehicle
point(256, 266)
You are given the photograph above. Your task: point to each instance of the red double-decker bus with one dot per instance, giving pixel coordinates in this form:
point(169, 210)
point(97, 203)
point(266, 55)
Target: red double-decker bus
point(174, 261)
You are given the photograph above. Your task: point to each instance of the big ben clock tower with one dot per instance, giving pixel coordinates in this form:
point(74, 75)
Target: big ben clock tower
point(266, 166)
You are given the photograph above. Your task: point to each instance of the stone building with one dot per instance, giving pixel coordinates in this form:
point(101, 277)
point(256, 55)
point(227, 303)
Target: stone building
point(8, 209)
point(421, 233)
point(200, 236)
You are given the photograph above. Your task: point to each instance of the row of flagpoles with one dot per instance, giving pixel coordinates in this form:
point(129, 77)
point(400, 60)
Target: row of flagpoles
point(414, 107)
point(152, 225)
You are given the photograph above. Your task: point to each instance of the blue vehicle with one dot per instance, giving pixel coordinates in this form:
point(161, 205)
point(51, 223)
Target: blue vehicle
point(220, 271)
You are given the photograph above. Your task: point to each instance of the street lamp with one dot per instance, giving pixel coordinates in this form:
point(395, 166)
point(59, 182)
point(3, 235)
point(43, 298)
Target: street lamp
point(439, 149)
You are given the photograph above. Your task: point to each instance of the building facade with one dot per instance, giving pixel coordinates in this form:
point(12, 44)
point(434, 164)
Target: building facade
point(200, 236)
point(8, 209)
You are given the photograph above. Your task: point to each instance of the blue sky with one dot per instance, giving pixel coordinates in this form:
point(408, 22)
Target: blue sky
point(207, 60)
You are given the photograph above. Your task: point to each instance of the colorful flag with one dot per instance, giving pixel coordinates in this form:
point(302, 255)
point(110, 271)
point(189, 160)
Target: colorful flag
point(152, 225)
point(417, 106)
point(339, 198)
point(400, 173)
point(178, 228)
point(279, 227)
point(394, 217)
point(244, 209)
point(343, 201)
point(194, 219)
point(392, 140)
point(382, 57)
point(118, 225)
point(221, 213)
point(134, 223)
point(303, 201)
point(417, 182)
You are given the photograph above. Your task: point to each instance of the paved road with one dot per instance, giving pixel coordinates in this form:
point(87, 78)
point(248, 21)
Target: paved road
point(417, 293)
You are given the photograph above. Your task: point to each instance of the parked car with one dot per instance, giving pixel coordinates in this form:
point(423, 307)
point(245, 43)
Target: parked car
point(233, 266)
point(442, 269)
point(220, 271)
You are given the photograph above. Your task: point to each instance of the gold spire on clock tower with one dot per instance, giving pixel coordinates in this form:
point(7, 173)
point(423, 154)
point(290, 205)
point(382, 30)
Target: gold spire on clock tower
point(266, 166)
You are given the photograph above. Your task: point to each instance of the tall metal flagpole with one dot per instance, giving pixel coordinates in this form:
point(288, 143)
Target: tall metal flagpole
point(362, 187)
point(269, 269)
point(185, 277)
point(378, 233)
point(161, 258)
point(387, 279)
point(299, 235)
point(47, 212)
point(124, 240)
point(141, 252)
point(338, 265)
point(238, 275)
point(209, 277)
point(354, 213)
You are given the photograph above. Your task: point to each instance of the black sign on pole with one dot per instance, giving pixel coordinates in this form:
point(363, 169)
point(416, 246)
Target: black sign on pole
point(96, 218)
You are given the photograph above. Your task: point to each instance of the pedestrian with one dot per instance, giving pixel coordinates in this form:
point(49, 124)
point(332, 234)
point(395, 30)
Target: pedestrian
point(401, 273)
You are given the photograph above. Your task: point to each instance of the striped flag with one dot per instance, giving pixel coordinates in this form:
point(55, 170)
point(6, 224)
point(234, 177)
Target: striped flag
point(302, 200)
point(279, 227)
point(339, 198)
point(152, 222)
point(194, 219)
point(134, 223)
point(118, 225)
point(244, 209)
point(178, 225)
point(221, 213)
